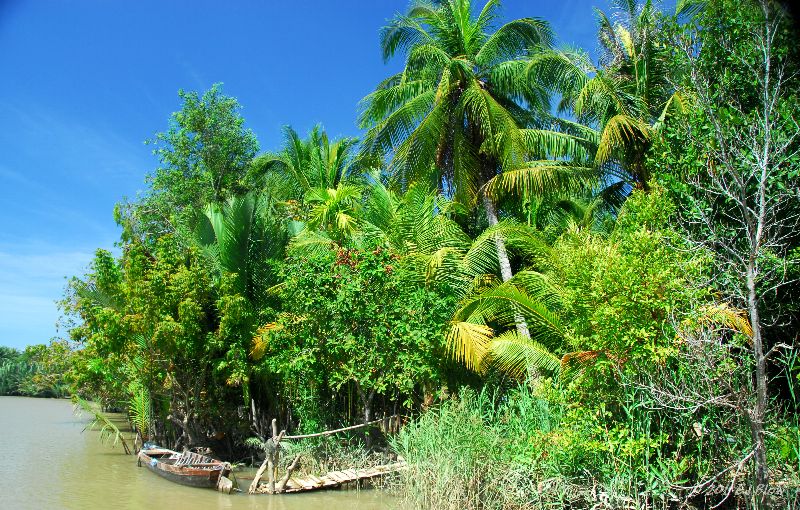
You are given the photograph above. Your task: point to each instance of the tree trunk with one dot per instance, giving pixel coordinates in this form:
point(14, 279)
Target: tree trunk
point(758, 414)
point(366, 402)
point(505, 263)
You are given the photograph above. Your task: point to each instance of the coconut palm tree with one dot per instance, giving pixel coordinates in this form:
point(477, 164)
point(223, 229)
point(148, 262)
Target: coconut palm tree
point(455, 116)
point(620, 102)
point(463, 110)
point(495, 307)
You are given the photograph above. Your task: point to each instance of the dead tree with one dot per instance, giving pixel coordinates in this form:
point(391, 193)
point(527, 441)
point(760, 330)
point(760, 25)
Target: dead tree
point(746, 204)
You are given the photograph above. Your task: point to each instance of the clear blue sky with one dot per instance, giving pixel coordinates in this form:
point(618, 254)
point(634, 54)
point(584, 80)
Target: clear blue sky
point(85, 82)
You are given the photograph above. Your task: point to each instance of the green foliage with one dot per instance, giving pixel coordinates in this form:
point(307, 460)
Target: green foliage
point(39, 371)
point(453, 454)
point(206, 152)
point(598, 301)
point(205, 156)
point(713, 161)
point(178, 336)
point(354, 322)
point(459, 111)
point(305, 164)
point(14, 371)
point(337, 280)
point(107, 428)
point(625, 292)
point(786, 440)
point(622, 102)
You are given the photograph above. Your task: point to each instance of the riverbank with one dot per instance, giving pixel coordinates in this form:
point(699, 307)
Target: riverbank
point(50, 463)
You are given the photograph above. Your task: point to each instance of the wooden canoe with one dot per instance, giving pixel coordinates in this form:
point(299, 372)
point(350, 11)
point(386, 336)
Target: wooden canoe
point(185, 468)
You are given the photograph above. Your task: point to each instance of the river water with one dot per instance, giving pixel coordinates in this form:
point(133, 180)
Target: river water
point(46, 462)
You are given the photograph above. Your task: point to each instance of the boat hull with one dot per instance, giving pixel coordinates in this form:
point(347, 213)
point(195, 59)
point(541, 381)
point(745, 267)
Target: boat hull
point(191, 476)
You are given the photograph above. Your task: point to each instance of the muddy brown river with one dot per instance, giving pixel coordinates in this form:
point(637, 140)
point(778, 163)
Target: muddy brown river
point(46, 462)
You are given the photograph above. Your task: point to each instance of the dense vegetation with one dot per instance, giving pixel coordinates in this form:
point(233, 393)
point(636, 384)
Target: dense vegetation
point(578, 279)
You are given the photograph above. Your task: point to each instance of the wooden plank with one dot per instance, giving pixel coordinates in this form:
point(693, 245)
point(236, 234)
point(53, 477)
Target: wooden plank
point(336, 478)
point(316, 480)
point(307, 482)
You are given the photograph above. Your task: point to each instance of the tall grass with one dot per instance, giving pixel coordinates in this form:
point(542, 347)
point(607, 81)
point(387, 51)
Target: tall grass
point(534, 449)
point(473, 452)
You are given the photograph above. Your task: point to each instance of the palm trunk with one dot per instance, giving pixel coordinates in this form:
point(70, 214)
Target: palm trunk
point(505, 263)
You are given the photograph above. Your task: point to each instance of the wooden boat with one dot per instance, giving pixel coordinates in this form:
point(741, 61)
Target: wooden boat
point(187, 468)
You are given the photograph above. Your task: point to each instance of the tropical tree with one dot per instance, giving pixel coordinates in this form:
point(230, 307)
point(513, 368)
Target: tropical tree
point(454, 115)
point(206, 152)
point(204, 157)
point(463, 110)
point(321, 183)
point(239, 237)
point(622, 100)
point(14, 368)
point(305, 164)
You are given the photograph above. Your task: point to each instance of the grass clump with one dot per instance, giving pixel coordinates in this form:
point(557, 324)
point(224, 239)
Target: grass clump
point(473, 451)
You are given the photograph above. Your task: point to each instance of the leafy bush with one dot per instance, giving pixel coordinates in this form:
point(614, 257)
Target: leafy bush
point(354, 322)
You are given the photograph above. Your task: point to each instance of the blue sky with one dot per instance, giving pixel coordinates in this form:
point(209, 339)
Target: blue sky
point(85, 82)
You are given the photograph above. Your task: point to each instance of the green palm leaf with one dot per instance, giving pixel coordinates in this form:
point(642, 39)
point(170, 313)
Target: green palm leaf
point(520, 356)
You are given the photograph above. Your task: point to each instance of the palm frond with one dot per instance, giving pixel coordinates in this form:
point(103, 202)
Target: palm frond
point(619, 132)
point(468, 342)
point(520, 356)
point(720, 314)
point(311, 242)
point(108, 430)
point(403, 32)
point(100, 297)
point(140, 408)
point(514, 39)
point(261, 340)
point(687, 9)
point(541, 178)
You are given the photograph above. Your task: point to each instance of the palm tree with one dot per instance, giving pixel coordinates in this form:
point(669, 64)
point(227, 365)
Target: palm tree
point(321, 183)
point(528, 293)
point(335, 210)
point(456, 114)
point(313, 162)
point(462, 111)
point(238, 237)
point(620, 102)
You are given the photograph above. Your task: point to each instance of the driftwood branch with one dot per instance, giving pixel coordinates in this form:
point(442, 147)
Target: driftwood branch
point(259, 474)
point(294, 465)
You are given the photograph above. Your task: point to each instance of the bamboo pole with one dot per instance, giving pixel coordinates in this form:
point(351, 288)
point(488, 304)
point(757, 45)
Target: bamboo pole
point(344, 429)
